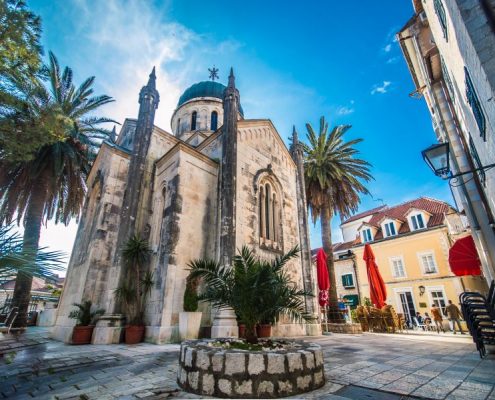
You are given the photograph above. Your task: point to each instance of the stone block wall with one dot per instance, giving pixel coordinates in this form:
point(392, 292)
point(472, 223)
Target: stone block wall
point(218, 372)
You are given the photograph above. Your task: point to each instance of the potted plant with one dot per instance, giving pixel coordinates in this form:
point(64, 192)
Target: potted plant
point(190, 319)
point(257, 290)
point(132, 293)
point(86, 317)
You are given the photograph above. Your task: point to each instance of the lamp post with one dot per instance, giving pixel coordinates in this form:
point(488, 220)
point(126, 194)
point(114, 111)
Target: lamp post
point(437, 157)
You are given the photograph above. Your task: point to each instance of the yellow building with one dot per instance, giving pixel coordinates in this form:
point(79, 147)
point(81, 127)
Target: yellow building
point(411, 243)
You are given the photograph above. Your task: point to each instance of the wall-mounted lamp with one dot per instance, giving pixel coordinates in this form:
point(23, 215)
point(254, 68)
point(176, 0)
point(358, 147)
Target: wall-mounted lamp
point(437, 157)
point(421, 290)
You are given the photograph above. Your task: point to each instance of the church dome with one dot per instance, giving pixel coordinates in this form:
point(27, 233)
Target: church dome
point(204, 89)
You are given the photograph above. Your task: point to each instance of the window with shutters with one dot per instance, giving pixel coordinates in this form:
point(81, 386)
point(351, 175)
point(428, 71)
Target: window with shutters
point(447, 80)
point(417, 222)
point(390, 229)
point(348, 281)
point(366, 235)
point(442, 17)
point(427, 262)
point(397, 265)
point(474, 103)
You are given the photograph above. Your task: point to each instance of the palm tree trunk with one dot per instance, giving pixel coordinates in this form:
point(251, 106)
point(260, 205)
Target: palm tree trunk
point(32, 227)
point(334, 314)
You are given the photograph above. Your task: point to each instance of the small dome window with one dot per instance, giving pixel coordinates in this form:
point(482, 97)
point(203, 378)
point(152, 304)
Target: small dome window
point(214, 121)
point(194, 117)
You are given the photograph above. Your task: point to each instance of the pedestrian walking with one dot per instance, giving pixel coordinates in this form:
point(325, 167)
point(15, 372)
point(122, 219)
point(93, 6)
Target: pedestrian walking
point(437, 318)
point(454, 316)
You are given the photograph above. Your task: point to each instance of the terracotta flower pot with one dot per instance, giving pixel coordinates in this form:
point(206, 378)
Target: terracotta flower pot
point(242, 330)
point(82, 334)
point(134, 334)
point(264, 330)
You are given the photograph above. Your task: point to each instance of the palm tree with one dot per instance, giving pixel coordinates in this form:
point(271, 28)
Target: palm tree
point(257, 290)
point(51, 183)
point(13, 259)
point(333, 176)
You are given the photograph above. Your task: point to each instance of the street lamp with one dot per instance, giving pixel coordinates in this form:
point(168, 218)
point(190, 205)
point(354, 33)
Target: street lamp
point(437, 157)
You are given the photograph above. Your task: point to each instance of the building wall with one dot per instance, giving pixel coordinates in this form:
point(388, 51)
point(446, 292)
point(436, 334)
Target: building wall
point(261, 153)
point(409, 248)
point(470, 43)
point(91, 275)
point(204, 107)
point(183, 228)
point(343, 267)
point(350, 229)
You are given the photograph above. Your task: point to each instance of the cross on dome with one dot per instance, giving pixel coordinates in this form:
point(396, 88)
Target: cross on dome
point(213, 73)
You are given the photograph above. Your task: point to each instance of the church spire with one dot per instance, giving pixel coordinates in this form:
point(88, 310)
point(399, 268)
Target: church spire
point(149, 93)
point(113, 135)
point(231, 78)
point(152, 79)
point(134, 193)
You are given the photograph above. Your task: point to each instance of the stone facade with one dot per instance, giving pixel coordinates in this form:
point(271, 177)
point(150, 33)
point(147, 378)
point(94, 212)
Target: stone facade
point(214, 371)
point(449, 47)
point(176, 199)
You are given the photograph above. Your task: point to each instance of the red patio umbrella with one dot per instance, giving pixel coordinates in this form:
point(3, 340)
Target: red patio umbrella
point(378, 291)
point(323, 279)
point(463, 257)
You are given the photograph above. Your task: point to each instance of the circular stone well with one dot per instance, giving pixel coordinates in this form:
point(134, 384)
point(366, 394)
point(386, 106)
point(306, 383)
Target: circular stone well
point(210, 367)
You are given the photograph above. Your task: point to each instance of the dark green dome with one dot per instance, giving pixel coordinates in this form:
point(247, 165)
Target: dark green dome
point(204, 89)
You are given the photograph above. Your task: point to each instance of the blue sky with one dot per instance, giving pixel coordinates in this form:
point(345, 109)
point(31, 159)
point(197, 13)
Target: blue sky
point(294, 62)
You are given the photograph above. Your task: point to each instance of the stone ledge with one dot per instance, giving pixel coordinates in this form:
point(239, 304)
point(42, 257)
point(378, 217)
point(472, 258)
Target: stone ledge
point(343, 328)
point(231, 373)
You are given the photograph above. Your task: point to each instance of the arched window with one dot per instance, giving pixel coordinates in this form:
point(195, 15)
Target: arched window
point(178, 126)
point(194, 117)
point(214, 121)
point(269, 213)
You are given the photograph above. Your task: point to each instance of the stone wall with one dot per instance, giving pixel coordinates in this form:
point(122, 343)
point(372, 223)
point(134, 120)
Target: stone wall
point(214, 371)
point(203, 107)
point(91, 274)
point(183, 228)
point(262, 153)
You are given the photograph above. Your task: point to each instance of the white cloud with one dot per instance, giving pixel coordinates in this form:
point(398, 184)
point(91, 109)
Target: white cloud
point(124, 40)
point(343, 110)
point(393, 60)
point(387, 48)
point(381, 88)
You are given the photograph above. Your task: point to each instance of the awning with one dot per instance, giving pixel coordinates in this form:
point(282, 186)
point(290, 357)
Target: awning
point(463, 257)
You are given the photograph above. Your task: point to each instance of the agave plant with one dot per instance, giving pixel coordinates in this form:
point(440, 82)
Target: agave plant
point(257, 290)
point(85, 314)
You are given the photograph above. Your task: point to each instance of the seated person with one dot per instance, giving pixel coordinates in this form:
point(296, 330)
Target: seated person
point(419, 318)
point(427, 319)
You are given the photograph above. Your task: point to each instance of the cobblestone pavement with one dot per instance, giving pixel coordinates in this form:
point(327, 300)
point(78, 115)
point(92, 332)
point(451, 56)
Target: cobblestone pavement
point(367, 366)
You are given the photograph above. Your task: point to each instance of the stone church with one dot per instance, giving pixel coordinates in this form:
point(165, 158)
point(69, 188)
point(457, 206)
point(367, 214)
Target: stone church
point(217, 182)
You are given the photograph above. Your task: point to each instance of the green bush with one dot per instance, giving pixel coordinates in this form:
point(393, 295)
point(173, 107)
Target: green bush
point(191, 295)
point(257, 290)
point(84, 314)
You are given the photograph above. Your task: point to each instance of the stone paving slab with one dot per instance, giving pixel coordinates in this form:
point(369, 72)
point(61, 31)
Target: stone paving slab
point(356, 366)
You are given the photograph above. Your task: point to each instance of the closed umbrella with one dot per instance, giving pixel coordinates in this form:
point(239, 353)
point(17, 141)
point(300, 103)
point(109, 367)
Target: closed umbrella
point(463, 257)
point(378, 291)
point(323, 279)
